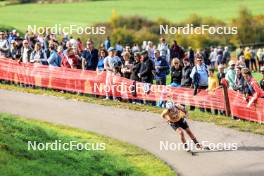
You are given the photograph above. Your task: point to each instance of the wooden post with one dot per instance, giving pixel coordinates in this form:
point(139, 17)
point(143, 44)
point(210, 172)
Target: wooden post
point(226, 97)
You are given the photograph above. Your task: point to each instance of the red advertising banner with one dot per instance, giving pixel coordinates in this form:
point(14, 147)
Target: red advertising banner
point(91, 82)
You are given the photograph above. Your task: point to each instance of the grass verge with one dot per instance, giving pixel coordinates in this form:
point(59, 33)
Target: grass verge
point(196, 115)
point(118, 158)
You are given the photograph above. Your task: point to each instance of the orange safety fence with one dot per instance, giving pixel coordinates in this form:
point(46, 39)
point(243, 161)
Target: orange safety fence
point(91, 82)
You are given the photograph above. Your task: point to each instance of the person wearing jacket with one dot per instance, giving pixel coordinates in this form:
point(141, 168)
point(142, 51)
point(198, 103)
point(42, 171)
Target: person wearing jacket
point(4, 46)
point(253, 87)
point(176, 73)
point(231, 74)
point(161, 68)
point(261, 83)
point(239, 80)
point(89, 57)
point(38, 56)
point(69, 60)
point(186, 81)
point(146, 68)
point(136, 67)
point(25, 52)
point(54, 59)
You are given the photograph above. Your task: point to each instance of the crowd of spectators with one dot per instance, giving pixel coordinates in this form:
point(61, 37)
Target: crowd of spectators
point(148, 63)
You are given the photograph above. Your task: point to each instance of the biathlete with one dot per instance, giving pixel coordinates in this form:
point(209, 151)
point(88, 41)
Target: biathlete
point(175, 116)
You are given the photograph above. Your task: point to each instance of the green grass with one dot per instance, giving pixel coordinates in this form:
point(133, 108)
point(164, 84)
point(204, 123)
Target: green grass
point(196, 115)
point(119, 158)
point(87, 13)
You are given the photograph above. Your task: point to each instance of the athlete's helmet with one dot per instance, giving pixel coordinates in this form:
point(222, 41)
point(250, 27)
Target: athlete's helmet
point(170, 105)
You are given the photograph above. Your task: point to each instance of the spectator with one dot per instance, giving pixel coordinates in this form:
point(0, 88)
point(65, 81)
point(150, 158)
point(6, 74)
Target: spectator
point(25, 52)
point(67, 46)
point(239, 80)
point(176, 73)
point(247, 56)
point(69, 60)
point(119, 49)
point(205, 53)
point(14, 52)
point(136, 67)
point(213, 57)
point(102, 56)
point(79, 46)
point(126, 67)
point(239, 52)
point(176, 51)
point(135, 48)
point(253, 87)
point(89, 57)
point(200, 81)
point(146, 68)
point(212, 84)
point(164, 50)
point(150, 50)
point(4, 47)
point(161, 68)
point(146, 73)
point(253, 63)
point(261, 83)
point(219, 56)
point(260, 57)
point(38, 56)
point(190, 55)
point(107, 43)
point(226, 56)
point(109, 66)
point(231, 74)
point(186, 81)
point(199, 77)
point(221, 73)
point(54, 59)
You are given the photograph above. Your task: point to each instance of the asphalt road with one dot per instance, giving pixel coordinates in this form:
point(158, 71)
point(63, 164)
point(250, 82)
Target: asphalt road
point(130, 126)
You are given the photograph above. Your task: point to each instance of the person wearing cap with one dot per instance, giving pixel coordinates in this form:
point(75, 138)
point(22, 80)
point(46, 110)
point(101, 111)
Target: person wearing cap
point(175, 116)
point(186, 81)
point(161, 68)
point(261, 83)
point(89, 56)
point(109, 66)
point(253, 87)
point(231, 74)
point(4, 46)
